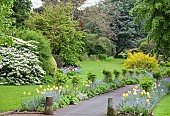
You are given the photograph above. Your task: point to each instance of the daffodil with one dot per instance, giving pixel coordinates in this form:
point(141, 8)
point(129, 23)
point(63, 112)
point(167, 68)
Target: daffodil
point(129, 92)
point(38, 91)
point(67, 86)
point(134, 93)
point(40, 86)
point(136, 87)
point(48, 86)
point(60, 87)
point(42, 93)
point(147, 100)
point(45, 90)
point(24, 92)
point(51, 89)
point(48, 89)
point(54, 87)
point(29, 93)
point(124, 95)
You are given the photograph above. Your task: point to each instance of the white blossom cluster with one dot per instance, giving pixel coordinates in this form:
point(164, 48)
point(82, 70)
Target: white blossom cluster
point(19, 65)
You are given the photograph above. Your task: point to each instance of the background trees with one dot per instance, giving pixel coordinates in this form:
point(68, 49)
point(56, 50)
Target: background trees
point(55, 22)
point(156, 15)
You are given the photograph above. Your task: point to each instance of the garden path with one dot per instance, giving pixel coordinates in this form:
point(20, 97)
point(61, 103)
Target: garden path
point(96, 106)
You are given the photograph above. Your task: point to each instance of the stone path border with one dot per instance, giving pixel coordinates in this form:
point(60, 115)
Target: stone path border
point(96, 106)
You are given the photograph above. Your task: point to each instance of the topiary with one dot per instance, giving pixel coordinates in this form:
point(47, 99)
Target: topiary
point(107, 76)
point(116, 73)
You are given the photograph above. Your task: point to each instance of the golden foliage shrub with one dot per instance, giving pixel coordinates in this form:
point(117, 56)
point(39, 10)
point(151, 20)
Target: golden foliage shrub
point(141, 60)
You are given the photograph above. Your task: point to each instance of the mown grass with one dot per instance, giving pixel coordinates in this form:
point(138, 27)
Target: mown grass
point(163, 108)
point(96, 67)
point(11, 96)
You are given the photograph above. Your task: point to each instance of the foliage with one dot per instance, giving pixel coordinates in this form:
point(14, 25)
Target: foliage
point(103, 46)
point(140, 102)
point(56, 24)
point(156, 16)
point(107, 76)
point(141, 60)
point(43, 46)
point(21, 11)
point(157, 75)
point(60, 79)
point(20, 64)
point(116, 73)
point(75, 80)
point(102, 56)
point(124, 72)
point(146, 83)
point(91, 77)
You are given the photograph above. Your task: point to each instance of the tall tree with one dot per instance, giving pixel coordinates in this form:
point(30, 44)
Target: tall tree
point(57, 25)
point(21, 11)
point(5, 20)
point(156, 17)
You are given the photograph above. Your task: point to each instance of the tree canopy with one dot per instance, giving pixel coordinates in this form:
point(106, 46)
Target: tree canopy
point(156, 16)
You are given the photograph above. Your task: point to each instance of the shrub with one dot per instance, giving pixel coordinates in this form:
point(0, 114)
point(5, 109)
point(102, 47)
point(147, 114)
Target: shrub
point(157, 75)
point(91, 77)
point(43, 46)
point(93, 57)
point(107, 76)
point(146, 83)
point(102, 56)
point(20, 65)
point(124, 72)
point(75, 80)
point(141, 60)
point(116, 73)
point(60, 79)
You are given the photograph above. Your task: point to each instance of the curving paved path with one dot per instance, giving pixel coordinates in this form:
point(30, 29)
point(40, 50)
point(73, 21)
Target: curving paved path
point(96, 106)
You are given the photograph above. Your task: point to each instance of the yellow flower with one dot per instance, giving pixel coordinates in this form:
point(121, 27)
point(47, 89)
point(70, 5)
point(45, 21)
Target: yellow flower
point(136, 87)
point(51, 89)
point(45, 90)
point(162, 90)
point(40, 86)
point(147, 93)
point(59, 90)
point(60, 87)
point(147, 100)
point(142, 93)
point(154, 87)
point(124, 95)
point(56, 88)
point(29, 93)
point(42, 93)
point(38, 91)
point(129, 92)
point(53, 86)
point(66, 86)
point(48, 89)
point(48, 86)
point(24, 92)
point(134, 93)
point(87, 85)
point(149, 96)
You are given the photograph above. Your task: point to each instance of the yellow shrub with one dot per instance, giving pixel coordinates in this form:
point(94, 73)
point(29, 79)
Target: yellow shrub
point(141, 60)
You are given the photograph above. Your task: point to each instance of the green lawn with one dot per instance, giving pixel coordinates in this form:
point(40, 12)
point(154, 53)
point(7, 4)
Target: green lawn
point(163, 108)
point(97, 67)
point(11, 96)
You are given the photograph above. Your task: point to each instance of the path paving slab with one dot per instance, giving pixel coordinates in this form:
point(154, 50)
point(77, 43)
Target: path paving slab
point(96, 106)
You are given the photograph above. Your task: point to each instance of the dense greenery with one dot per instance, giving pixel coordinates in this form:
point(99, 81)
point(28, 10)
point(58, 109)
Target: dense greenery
point(156, 16)
point(65, 41)
point(21, 11)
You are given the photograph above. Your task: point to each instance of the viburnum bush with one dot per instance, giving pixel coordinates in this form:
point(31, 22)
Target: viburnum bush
point(19, 64)
point(141, 60)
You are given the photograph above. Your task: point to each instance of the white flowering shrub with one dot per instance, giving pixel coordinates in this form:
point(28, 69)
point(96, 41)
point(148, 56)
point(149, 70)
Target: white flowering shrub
point(19, 64)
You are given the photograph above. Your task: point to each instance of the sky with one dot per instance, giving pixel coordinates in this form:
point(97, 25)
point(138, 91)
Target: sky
point(38, 3)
